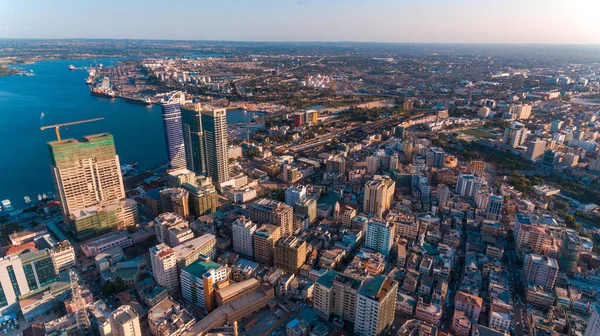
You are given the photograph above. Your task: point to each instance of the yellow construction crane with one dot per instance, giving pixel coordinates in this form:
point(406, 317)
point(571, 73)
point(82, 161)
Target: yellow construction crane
point(58, 126)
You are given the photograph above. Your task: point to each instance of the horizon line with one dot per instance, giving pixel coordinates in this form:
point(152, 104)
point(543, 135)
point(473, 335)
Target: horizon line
point(291, 41)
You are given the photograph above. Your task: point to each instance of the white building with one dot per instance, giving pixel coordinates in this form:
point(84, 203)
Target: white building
point(380, 236)
point(164, 266)
point(242, 230)
point(294, 194)
point(12, 268)
point(375, 305)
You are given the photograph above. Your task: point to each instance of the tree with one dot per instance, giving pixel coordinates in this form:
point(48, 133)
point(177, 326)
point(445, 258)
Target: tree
point(561, 205)
point(253, 152)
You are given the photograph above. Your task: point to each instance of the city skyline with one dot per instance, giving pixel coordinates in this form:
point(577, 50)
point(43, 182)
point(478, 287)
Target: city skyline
point(466, 21)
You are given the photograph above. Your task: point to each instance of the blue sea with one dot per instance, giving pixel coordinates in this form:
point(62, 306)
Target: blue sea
point(62, 96)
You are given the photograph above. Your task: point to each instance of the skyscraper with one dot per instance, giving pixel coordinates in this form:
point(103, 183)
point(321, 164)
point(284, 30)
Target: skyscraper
point(191, 122)
point(87, 174)
point(214, 124)
point(171, 113)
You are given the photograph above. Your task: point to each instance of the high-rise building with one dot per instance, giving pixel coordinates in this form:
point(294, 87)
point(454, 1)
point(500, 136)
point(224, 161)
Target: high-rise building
point(556, 126)
point(569, 256)
point(535, 150)
point(193, 137)
point(335, 294)
point(13, 283)
point(189, 252)
point(290, 253)
point(593, 326)
point(443, 194)
point(540, 271)
point(242, 231)
point(515, 134)
point(214, 124)
point(435, 157)
point(124, 321)
point(202, 197)
point(379, 193)
point(294, 194)
point(380, 235)
point(465, 185)
point(198, 282)
point(470, 304)
point(63, 256)
point(306, 207)
point(264, 239)
point(477, 168)
point(171, 113)
point(375, 305)
point(172, 229)
point(494, 207)
point(164, 266)
point(521, 111)
point(372, 165)
point(87, 174)
point(39, 269)
point(408, 148)
point(269, 211)
point(175, 200)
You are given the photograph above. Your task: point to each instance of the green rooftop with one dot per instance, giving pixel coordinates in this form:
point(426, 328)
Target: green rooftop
point(372, 286)
point(330, 277)
point(199, 267)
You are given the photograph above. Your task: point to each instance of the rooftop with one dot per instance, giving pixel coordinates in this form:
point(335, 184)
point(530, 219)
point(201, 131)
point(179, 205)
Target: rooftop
point(199, 267)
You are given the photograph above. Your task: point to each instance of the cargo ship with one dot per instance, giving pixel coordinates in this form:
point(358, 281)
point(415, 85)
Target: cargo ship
point(138, 100)
point(103, 89)
point(104, 93)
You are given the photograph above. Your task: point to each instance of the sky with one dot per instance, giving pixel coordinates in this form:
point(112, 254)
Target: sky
point(420, 21)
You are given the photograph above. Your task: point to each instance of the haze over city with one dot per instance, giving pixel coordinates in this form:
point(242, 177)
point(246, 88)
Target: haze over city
point(300, 168)
point(461, 21)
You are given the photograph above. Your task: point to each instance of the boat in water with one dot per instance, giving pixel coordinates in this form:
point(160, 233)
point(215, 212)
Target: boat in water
point(6, 205)
point(27, 199)
point(138, 100)
point(104, 93)
point(103, 89)
point(72, 67)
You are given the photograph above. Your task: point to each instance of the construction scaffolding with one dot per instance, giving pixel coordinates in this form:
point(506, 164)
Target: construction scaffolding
point(81, 315)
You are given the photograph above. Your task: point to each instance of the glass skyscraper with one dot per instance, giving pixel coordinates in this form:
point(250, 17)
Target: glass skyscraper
point(191, 120)
point(171, 113)
point(214, 124)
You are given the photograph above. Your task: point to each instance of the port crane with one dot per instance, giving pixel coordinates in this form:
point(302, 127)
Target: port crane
point(58, 126)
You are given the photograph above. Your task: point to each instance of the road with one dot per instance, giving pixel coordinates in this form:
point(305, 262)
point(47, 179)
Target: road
point(513, 279)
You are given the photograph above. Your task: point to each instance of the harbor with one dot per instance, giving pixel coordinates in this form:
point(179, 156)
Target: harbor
point(31, 102)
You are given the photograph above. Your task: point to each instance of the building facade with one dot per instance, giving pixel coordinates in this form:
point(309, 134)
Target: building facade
point(171, 113)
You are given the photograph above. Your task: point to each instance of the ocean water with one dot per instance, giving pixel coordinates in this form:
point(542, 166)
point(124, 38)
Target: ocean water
point(62, 96)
